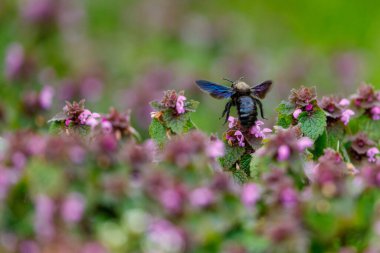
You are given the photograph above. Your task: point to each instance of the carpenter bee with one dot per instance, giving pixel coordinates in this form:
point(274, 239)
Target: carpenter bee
point(241, 95)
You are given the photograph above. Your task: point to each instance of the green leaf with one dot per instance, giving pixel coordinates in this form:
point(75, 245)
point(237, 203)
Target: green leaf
point(56, 127)
point(232, 155)
point(81, 130)
point(254, 167)
point(284, 121)
point(240, 176)
point(285, 108)
point(157, 131)
point(314, 124)
point(245, 162)
point(61, 116)
point(319, 145)
point(177, 123)
point(367, 125)
point(191, 105)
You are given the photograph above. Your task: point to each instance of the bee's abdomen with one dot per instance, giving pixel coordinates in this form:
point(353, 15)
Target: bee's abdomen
point(247, 111)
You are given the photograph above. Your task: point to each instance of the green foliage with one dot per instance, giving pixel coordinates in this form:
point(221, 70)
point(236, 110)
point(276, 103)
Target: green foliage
point(157, 132)
point(245, 163)
point(313, 124)
point(56, 127)
point(177, 123)
point(285, 108)
point(231, 157)
point(367, 125)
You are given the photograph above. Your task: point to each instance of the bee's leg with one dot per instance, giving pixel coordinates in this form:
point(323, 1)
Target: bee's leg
point(260, 107)
point(226, 111)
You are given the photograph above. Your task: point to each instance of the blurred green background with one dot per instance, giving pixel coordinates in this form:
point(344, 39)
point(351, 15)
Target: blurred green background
point(136, 49)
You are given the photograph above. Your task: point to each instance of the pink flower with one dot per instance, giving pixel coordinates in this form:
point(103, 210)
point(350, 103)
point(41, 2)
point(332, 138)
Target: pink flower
point(288, 197)
point(67, 122)
point(250, 194)
point(371, 153)
point(240, 138)
point(14, 61)
point(297, 113)
point(171, 199)
point(232, 122)
point(84, 116)
point(180, 104)
point(43, 220)
point(304, 143)
point(201, 197)
point(283, 153)
point(46, 97)
point(309, 107)
point(375, 111)
point(106, 126)
point(346, 115)
point(344, 102)
point(215, 148)
point(257, 131)
point(73, 208)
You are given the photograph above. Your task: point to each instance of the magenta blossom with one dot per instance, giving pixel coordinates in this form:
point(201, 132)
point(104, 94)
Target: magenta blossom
point(344, 102)
point(240, 138)
point(232, 121)
point(250, 194)
point(43, 220)
point(371, 153)
point(304, 143)
point(257, 131)
point(283, 153)
point(89, 118)
point(215, 148)
point(346, 115)
point(73, 208)
point(309, 107)
point(201, 197)
point(106, 126)
point(46, 97)
point(180, 104)
point(297, 113)
point(375, 112)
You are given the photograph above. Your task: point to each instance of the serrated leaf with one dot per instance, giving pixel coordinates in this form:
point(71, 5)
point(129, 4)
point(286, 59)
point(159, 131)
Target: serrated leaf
point(232, 155)
point(191, 105)
point(284, 121)
point(81, 130)
point(157, 131)
point(245, 162)
point(56, 127)
point(254, 167)
point(285, 108)
point(240, 176)
point(177, 123)
point(367, 125)
point(314, 124)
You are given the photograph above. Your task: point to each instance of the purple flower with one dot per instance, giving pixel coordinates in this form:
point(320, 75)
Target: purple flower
point(309, 107)
point(288, 197)
point(172, 199)
point(283, 153)
point(297, 113)
point(43, 220)
point(106, 126)
point(67, 122)
point(232, 122)
point(46, 97)
point(201, 197)
point(73, 207)
point(240, 138)
point(84, 116)
point(344, 102)
point(371, 153)
point(29, 247)
point(163, 236)
point(304, 143)
point(375, 112)
point(14, 61)
point(215, 148)
point(257, 131)
point(250, 194)
point(346, 115)
point(180, 104)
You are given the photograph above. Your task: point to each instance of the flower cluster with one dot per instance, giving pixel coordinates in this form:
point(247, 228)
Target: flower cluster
point(337, 109)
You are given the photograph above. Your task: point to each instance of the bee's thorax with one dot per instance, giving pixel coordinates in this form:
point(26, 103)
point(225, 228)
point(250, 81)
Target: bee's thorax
point(242, 87)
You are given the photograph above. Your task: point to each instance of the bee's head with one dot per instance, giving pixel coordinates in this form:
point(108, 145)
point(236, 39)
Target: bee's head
point(241, 86)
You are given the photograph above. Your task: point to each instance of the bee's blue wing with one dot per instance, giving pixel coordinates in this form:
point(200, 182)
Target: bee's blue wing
point(215, 90)
point(262, 89)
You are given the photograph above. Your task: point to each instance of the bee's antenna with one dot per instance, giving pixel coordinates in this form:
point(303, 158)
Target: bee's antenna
point(228, 80)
